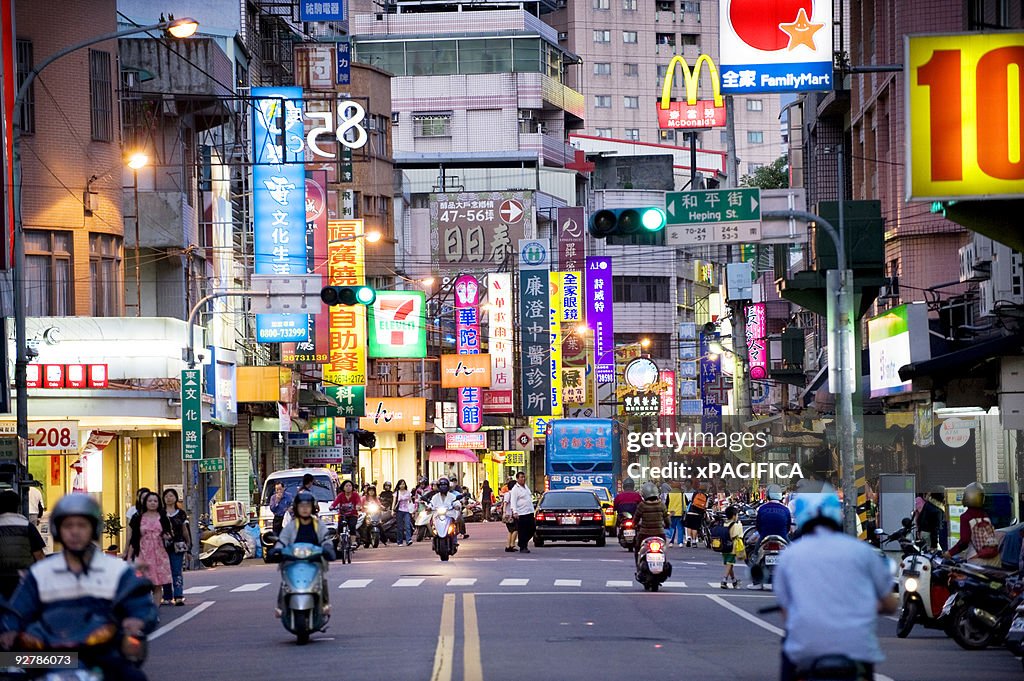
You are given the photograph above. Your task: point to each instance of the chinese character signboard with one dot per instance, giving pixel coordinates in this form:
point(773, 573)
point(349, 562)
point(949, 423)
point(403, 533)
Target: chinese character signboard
point(279, 206)
point(465, 371)
point(465, 440)
point(574, 385)
point(396, 324)
point(498, 402)
point(642, 404)
point(345, 260)
point(478, 231)
point(757, 347)
point(321, 432)
point(498, 399)
point(571, 244)
point(555, 344)
point(343, 50)
point(191, 415)
point(467, 342)
point(394, 414)
point(351, 400)
point(314, 67)
point(600, 317)
point(691, 114)
point(710, 377)
point(314, 349)
point(534, 328)
point(322, 11)
point(780, 46)
point(668, 395)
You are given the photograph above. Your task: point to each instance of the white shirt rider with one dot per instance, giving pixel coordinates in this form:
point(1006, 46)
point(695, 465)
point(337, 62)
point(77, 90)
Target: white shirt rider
point(444, 500)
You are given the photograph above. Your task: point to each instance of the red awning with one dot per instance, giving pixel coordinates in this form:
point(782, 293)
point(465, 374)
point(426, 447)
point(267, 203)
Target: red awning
point(453, 455)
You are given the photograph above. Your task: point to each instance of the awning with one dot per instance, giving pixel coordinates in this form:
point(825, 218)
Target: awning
point(453, 455)
point(963, 362)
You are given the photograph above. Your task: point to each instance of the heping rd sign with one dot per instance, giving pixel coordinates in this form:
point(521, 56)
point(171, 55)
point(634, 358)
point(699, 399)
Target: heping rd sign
point(713, 216)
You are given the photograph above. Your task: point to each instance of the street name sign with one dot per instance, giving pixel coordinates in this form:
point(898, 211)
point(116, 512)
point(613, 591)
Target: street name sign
point(713, 216)
point(191, 415)
point(211, 465)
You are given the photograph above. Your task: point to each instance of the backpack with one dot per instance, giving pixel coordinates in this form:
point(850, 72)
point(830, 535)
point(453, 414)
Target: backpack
point(983, 538)
point(721, 542)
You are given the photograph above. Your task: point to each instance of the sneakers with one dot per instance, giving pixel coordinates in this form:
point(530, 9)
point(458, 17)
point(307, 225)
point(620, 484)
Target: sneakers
point(725, 585)
point(166, 601)
point(735, 583)
point(510, 549)
point(179, 601)
point(755, 587)
point(671, 543)
point(409, 543)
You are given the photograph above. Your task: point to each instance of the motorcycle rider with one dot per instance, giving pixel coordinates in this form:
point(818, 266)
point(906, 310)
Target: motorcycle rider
point(444, 497)
point(825, 566)
point(348, 504)
point(387, 497)
point(976, 530)
point(369, 497)
point(627, 500)
point(773, 518)
point(651, 515)
point(75, 590)
point(305, 528)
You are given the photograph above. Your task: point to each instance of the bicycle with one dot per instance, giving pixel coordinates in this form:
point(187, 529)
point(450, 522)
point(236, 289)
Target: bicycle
point(344, 548)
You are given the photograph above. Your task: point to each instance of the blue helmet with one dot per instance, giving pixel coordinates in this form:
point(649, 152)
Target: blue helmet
point(813, 505)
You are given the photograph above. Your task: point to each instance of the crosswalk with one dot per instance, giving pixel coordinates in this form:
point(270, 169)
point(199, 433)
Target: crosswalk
point(413, 582)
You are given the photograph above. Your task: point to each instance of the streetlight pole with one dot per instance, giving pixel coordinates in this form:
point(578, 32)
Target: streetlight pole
point(180, 28)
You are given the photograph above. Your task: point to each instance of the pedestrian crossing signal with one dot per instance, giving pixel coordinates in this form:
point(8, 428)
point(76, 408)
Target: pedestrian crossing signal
point(348, 295)
point(626, 221)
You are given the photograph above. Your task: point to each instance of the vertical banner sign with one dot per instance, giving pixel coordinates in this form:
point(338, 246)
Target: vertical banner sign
point(710, 373)
point(191, 415)
point(571, 245)
point(499, 342)
point(314, 349)
point(555, 314)
point(667, 414)
point(535, 327)
point(775, 46)
point(396, 324)
point(467, 342)
point(600, 316)
point(279, 206)
point(346, 363)
point(756, 347)
point(344, 51)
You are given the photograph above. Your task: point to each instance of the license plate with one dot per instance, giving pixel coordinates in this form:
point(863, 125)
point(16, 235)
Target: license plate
point(628, 534)
point(655, 561)
point(569, 520)
point(948, 605)
point(771, 560)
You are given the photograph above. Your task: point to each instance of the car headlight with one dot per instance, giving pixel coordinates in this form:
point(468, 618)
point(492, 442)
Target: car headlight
point(910, 584)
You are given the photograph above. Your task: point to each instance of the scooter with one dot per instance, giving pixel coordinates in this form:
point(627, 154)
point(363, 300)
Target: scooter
point(371, 529)
point(982, 605)
point(1015, 636)
point(443, 527)
point(388, 527)
point(626, 531)
point(223, 545)
point(924, 580)
point(652, 566)
point(763, 562)
point(827, 667)
point(303, 602)
point(422, 521)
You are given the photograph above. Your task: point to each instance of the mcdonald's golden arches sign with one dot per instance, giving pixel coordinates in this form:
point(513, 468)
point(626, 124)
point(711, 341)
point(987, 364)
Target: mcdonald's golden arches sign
point(691, 113)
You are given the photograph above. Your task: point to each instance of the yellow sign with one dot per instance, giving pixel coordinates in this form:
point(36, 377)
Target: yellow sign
point(691, 79)
point(557, 312)
point(965, 116)
point(345, 267)
point(466, 371)
point(539, 426)
point(394, 414)
point(515, 458)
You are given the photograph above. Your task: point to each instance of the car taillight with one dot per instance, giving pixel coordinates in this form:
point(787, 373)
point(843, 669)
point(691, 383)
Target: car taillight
point(655, 547)
point(540, 516)
point(598, 517)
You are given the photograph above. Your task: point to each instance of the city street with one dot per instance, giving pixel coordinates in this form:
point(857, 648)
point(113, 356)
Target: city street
point(564, 612)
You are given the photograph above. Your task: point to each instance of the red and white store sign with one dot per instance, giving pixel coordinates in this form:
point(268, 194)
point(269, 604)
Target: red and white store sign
point(66, 376)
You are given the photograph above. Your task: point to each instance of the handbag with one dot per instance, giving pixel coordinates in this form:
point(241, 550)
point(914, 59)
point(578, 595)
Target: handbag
point(180, 547)
point(739, 548)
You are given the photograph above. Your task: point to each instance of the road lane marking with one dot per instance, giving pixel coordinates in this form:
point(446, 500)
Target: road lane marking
point(409, 581)
point(486, 560)
point(680, 585)
point(461, 581)
point(615, 583)
point(746, 615)
point(568, 582)
point(173, 624)
point(472, 669)
point(611, 560)
point(514, 582)
point(570, 560)
point(354, 583)
point(255, 586)
point(194, 590)
point(445, 651)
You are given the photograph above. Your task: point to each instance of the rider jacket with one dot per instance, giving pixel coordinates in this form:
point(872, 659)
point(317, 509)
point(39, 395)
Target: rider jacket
point(64, 604)
point(773, 517)
point(291, 530)
point(626, 502)
point(652, 519)
point(439, 500)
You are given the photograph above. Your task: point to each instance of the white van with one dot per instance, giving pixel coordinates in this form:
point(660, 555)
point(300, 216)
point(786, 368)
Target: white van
point(325, 488)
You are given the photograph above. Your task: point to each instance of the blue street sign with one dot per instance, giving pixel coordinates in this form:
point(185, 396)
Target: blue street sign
point(344, 50)
point(321, 11)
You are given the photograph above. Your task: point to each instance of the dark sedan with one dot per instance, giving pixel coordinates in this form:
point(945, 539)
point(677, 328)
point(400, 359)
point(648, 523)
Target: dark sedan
point(566, 515)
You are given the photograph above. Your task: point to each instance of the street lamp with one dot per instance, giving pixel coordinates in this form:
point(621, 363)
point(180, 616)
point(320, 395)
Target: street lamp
point(138, 160)
point(371, 237)
point(175, 28)
point(645, 343)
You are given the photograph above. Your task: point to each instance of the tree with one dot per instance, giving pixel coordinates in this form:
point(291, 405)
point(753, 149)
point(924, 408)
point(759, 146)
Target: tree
point(772, 176)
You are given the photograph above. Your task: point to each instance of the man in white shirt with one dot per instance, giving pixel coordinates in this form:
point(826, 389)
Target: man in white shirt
point(35, 505)
point(521, 500)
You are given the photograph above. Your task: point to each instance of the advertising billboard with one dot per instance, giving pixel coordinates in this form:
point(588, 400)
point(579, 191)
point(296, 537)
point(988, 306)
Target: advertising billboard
point(467, 342)
point(896, 338)
point(396, 324)
point(691, 113)
point(534, 327)
point(478, 231)
point(346, 363)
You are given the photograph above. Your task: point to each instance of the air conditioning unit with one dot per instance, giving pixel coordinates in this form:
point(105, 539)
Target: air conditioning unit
point(563, 35)
point(395, 115)
point(976, 259)
point(1005, 288)
point(526, 115)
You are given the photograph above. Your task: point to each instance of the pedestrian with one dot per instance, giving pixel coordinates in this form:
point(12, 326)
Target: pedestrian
point(486, 499)
point(403, 513)
point(36, 507)
point(280, 504)
point(694, 518)
point(131, 513)
point(521, 500)
point(20, 543)
point(930, 518)
point(735, 543)
point(675, 504)
point(507, 517)
point(181, 541)
point(151, 532)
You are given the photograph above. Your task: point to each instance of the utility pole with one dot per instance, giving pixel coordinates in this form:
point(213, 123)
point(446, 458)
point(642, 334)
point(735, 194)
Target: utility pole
point(732, 164)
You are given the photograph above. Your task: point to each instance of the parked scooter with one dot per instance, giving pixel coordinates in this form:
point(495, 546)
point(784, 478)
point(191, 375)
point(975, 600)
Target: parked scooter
point(982, 605)
point(1015, 636)
point(443, 527)
point(422, 521)
point(303, 602)
point(226, 545)
point(652, 566)
point(388, 527)
point(625, 528)
point(924, 589)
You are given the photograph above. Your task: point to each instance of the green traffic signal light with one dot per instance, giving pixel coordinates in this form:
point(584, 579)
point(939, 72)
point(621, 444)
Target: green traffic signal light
point(626, 221)
point(348, 295)
point(653, 219)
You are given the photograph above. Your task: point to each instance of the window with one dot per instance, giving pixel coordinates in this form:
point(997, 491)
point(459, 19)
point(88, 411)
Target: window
point(492, 55)
point(755, 137)
point(690, 7)
point(526, 55)
point(631, 102)
point(602, 4)
point(641, 289)
point(105, 271)
point(602, 36)
point(631, 70)
point(603, 132)
point(689, 39)
point(48, 274)
point(755, 105)
point(754, 167)
point(667, 135)
point(629, 5)
point(666, 39)
point(662, 70)
point(101, 96)
point(603, 101)
point(27, 113)
point(666, 5)
point(633, 134)
point(629, 37)
point(602, 69)
point(387, 56)
point(724, 137)
point(432, 57)
point(660, 344)
point(432, 125)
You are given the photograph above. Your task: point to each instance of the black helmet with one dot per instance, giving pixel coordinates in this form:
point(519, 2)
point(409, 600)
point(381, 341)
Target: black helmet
point(443, 485)
point(300, 497)
point(77, 504)
point(387, 486)
point(628, 484)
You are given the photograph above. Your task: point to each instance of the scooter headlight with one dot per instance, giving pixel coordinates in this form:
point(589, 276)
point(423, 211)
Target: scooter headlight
point(302, 552)
point(911, 584)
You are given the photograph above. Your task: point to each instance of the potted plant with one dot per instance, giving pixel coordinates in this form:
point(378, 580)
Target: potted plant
point(112, 528)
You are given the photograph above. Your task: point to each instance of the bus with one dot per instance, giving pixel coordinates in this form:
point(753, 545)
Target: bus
point(583, 452)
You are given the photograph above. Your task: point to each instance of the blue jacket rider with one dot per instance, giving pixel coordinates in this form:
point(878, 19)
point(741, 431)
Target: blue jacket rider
point(69, 595)
point(773, 517)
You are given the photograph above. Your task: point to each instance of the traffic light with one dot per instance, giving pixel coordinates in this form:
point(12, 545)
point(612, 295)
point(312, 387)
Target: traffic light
point(626, 221)
point(348, 295)
point(366, 439)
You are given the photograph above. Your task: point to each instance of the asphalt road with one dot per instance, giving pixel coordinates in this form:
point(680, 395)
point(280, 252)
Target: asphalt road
point(561, 613)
